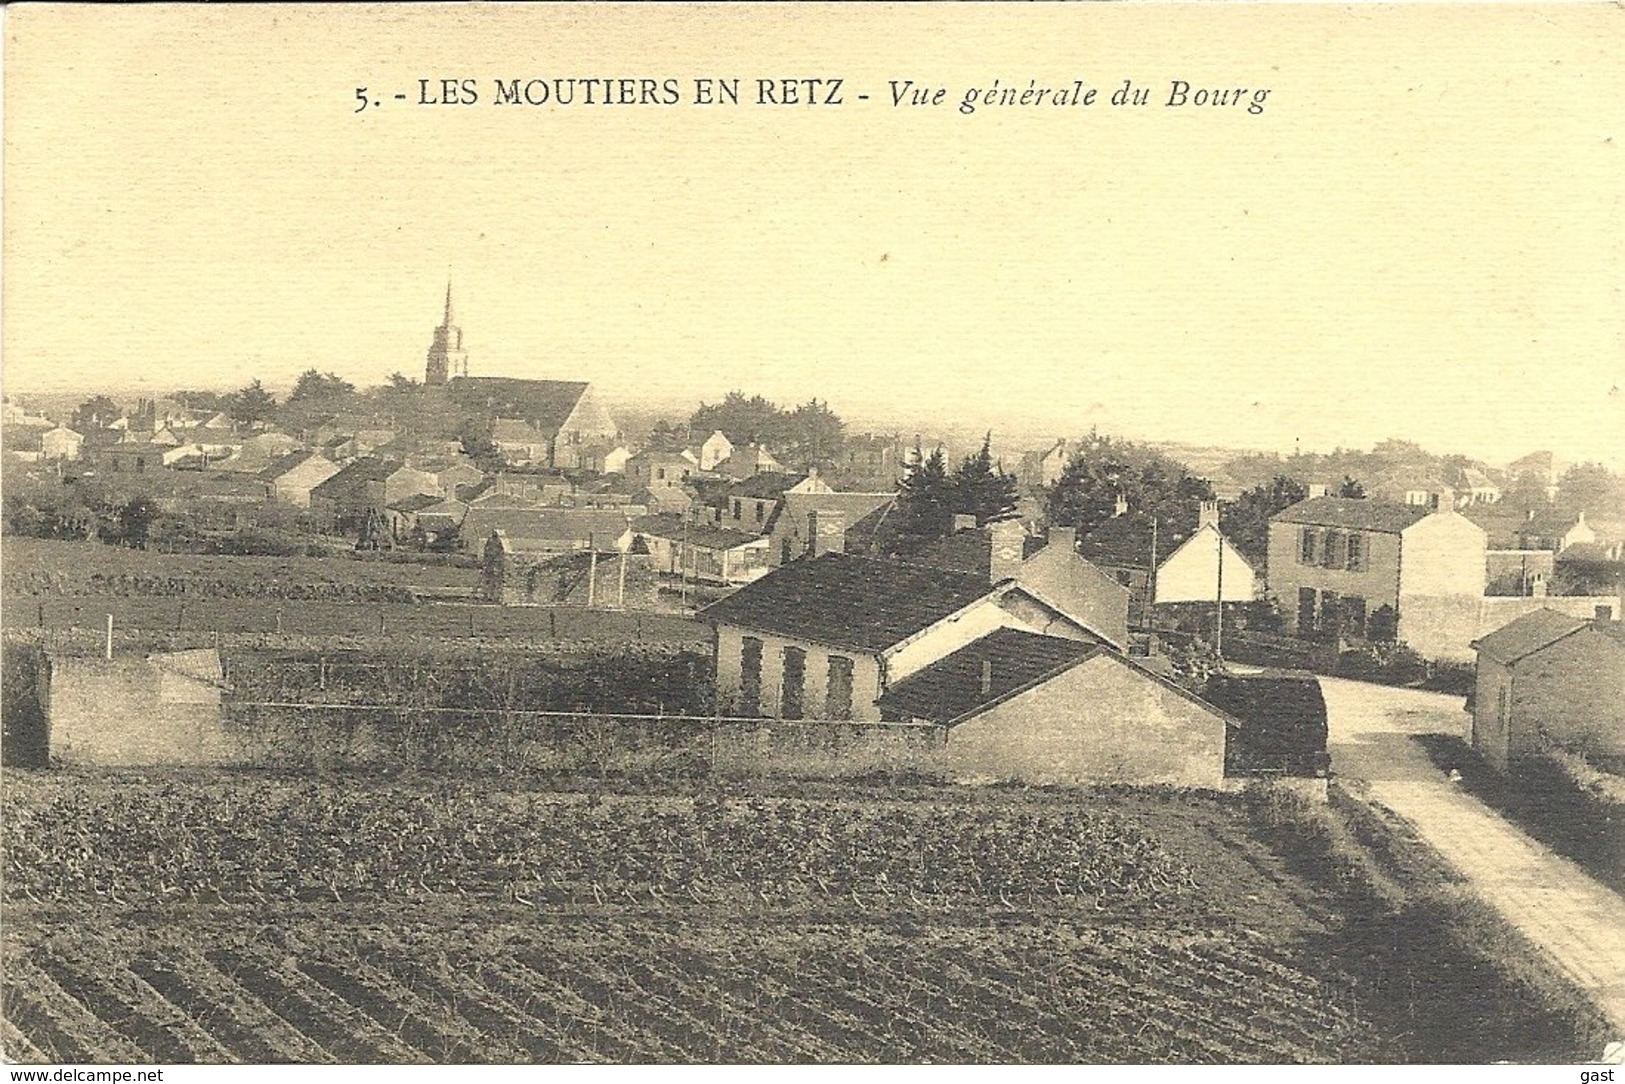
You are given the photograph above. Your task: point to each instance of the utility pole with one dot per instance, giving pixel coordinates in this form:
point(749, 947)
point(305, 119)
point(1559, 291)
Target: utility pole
point(1151, 575)
point(620, 589)
point(592, 569)
point(1218, 636)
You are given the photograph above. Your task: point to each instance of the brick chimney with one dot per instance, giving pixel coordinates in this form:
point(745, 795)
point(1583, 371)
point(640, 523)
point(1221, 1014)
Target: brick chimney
point(1317, 489)
point(1064, 538)
point(1122, 506)
point(1006, 539)
point(963, 522)
point(1208, 515)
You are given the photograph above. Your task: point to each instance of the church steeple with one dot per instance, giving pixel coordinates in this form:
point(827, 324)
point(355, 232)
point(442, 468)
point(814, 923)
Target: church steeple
point(447, 358)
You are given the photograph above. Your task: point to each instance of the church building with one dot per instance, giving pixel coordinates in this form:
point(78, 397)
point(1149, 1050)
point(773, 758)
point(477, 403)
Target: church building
point(536, 423)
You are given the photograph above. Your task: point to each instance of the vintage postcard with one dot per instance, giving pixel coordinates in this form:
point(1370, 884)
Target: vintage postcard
point(812, 535)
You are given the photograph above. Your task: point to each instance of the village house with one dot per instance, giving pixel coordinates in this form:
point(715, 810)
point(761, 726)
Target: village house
point(1205, 565)
point(549, 530)
point(22, 442)
point(1380, 570)
point(132, 457)
point(605, 458)
point(699, 552)
point(259, 451)
point(1050, 568)
point(292, 477)
point(366, 486)
point(1044, 466)
point(1554, 531)
point(716, 448)
point(1550, 678)
point(656, 470)
point(438, 522)
point(824, 637)
point(871, 462)
point(60, 443)
point(533, 565)
point(805, 523)
point(1045, 710)
point(749, 461)
point(751, 504)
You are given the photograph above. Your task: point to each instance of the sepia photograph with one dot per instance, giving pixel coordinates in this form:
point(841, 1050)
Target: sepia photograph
point(812, 535)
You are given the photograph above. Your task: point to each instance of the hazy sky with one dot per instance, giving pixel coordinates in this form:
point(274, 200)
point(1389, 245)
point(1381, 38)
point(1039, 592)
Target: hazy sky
point(1420, 235)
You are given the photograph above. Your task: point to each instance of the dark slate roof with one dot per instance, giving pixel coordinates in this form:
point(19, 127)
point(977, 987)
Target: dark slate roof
point(1527, 635)
point(546, 404)
point(969, 551)
point(1355, 514)
point(416, 502)
point(677, 528)
point(951, 687)
point(770, 484)
point(848, 601)
point(1125, 541)
point(558, 524)
point(350, 480)
point(282, 464)
point(1585, 553)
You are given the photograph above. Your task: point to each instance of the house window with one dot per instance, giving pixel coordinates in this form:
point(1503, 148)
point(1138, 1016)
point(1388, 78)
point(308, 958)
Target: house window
point(784, 551)
point(660, 473)
point(761, 511)
point(1356, 553)
point(1306, 610)
point(1333, 552)
point(1306, 549)
point(738, 507)
point(793, 683)
point(838, 697)
point(750, 676)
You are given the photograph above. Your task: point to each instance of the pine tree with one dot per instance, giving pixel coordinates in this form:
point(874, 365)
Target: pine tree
point(981, 488)
point(925, 505)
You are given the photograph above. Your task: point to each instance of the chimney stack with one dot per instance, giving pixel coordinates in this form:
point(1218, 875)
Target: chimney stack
point(1122, 506)
point(964, 522)
point(1065, 538)
point(1208, 515)
point(987, 676)
point(1006, 540)
point(1317, 489)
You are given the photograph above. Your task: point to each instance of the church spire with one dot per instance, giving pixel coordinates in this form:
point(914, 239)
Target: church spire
point(447, 358)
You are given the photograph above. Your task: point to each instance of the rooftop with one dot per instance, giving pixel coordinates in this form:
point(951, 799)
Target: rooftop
point(1527, 635)
point(846, 600)
point(1011, 660)
point(1354, 513)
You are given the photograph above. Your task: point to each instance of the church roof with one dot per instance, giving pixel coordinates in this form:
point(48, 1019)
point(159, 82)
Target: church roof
point(545, 404)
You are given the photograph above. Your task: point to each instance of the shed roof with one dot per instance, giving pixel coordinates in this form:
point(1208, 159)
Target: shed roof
point(1527, 635)
point(838, 598)
point(1354, 513)
point(951, 688)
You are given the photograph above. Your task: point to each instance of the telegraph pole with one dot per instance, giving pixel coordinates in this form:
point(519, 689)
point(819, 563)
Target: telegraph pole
point(1218, 636)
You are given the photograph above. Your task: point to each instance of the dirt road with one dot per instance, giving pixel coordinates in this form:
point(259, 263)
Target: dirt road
point(1580, 922)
